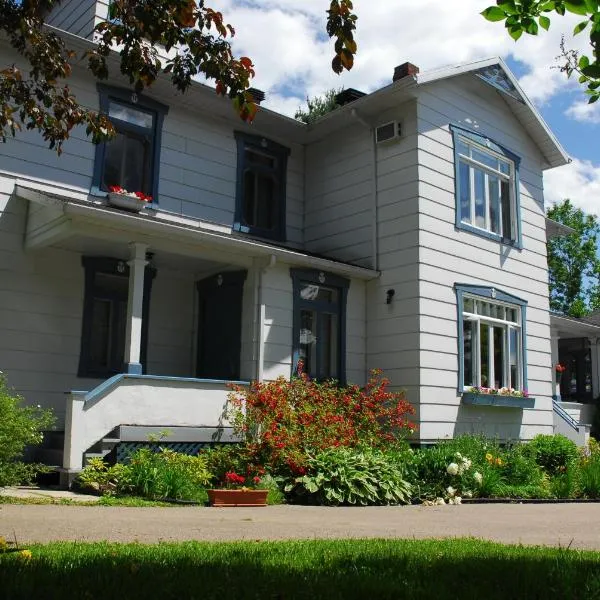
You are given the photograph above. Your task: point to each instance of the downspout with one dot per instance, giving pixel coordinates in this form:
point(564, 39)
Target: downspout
point(374, 191)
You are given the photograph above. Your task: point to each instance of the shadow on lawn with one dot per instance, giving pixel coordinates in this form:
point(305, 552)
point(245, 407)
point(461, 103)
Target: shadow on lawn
point(460, 569)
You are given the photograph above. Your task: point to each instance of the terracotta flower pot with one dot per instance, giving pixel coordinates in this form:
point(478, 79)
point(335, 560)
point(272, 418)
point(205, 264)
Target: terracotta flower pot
point(237, 497)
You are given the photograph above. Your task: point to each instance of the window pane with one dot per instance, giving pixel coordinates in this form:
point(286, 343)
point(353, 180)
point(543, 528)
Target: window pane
point(479, 198)
point(308, 341)
point(468, 352)
point(311, 291)
point(463, 148)
point(499, 361)
point(484, 309)
point(250, 208)
point(484, 349)
point(495, 214)
point(484, 158)
point(100, 333)
point(514, 358)
point(125, 163)
point(130, 115)
point(505, 167)
point(465, 193)
point(258, 158)
point(329, 350)
point(507, 218)
point(265, 197)
point(468, 305)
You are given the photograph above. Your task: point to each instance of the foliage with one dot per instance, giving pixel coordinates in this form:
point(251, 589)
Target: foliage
point(284, 421)
point(527, 16)
point(573, 264)
point(318, 106)
point(195, 37)
point(553, 453)
point(589, 471)
point(349, 476)
point(20, 426)
point(149, 474)
point(308, 569)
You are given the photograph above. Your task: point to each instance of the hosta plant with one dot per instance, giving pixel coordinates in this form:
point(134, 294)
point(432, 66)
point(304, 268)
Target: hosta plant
point(339, 476)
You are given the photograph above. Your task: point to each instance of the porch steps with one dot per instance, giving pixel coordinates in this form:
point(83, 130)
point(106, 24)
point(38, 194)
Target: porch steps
point(104, 448)
point(566, 424)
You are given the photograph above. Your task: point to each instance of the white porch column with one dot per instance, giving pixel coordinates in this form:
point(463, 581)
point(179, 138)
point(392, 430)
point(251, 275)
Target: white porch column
point(135, 301)
point(595, 356)
point(554, 348)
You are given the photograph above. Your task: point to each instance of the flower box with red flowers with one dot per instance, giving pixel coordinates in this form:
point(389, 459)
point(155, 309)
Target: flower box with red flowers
point(122, 198)
point(506, 397)
point(238, 490)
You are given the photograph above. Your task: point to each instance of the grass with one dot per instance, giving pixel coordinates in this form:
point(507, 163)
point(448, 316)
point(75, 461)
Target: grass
point(102, 501)
point(450, 569)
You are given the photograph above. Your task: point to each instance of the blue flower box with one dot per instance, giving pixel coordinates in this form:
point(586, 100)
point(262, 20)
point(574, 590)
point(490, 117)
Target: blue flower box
point(476, 399)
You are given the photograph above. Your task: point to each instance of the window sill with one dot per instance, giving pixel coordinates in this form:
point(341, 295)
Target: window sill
point(489, 235)
point(475, 399)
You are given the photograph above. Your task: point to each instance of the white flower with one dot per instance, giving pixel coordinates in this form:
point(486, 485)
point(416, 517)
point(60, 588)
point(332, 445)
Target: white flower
point(466, 463)
point(478, 477)
point(457, 500)
point(451, 491)
point(458, 455)
point(468, 494)
point(440, 502)
point(452, 469)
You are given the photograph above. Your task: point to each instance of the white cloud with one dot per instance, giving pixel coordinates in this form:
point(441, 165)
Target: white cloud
point(579, 181)
point(287, 42)
point(584, 112)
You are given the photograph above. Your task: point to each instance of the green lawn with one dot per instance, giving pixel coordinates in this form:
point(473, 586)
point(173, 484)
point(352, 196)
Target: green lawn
point(364, 569)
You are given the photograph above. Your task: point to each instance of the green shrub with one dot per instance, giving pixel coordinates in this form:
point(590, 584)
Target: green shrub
point(348, 476)
point(165, 474)
point(553, 453)
point(20, 426)
point(100, 477)
point(589, 476)
point(565, 484)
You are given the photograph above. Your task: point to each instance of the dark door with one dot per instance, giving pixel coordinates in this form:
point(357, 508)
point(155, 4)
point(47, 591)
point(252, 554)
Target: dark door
point(220, 326)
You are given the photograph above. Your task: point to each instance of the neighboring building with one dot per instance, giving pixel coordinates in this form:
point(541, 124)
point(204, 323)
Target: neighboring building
point(405, 231)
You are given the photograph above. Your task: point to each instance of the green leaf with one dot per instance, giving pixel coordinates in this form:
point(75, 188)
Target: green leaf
point(580, 27)
point(515, 32)
point(576, 6)
point(544, 22)
point(509, 7)
point(592, 71)
point(584, 61)
point(593, 99)
point(494, 13)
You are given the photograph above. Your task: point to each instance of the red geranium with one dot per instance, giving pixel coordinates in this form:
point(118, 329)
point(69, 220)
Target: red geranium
point(560, 368)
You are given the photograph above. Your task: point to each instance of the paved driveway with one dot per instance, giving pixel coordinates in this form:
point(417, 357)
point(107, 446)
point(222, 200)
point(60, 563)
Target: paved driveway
point(575, 525)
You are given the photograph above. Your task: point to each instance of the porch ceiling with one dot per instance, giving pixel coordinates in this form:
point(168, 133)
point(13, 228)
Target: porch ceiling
point(60, 216)
point(568, 327)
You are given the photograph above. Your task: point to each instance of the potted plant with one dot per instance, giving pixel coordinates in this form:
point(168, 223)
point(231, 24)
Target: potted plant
point(122, 198)
point(238, 490)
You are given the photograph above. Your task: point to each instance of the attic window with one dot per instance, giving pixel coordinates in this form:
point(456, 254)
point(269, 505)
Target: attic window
point(496, 77)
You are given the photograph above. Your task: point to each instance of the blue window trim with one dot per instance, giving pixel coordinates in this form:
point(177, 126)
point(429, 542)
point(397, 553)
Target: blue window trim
point(486, 142)
point(281, 153)
point(490, 293)
point(300, 276)
point(108, 93)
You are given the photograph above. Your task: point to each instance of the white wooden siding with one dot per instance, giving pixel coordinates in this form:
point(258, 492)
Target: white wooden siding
point(448, 256)
point(75, 16)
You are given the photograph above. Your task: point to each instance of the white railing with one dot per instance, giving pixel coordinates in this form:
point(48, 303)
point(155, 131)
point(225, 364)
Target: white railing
point(146, 400)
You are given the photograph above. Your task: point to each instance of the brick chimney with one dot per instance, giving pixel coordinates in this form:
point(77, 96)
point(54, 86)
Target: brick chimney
point(405, 70)
point(257, 95)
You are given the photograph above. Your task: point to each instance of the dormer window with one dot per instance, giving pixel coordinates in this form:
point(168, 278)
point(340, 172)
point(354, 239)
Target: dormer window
point(130, 160)
point(261, 187)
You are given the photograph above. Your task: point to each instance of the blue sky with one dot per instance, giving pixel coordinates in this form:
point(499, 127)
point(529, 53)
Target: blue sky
point(292, 57)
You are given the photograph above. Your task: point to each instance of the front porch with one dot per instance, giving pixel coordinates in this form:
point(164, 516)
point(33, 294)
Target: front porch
point(576, 390)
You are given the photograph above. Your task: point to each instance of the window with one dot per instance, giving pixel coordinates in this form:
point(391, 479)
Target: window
point(130, 160)
point(491, 332)
point(320, 323)
point(261, 187)
point(487, 194)
point(105, 316)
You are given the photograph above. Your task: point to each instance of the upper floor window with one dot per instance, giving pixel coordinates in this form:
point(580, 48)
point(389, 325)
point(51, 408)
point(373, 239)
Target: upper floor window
point(261, 187)
point(130, 160)
point(320, 323)
point(486, 180)
point(491, 339)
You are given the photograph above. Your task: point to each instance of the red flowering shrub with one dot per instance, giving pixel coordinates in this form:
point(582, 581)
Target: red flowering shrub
point(283, 421)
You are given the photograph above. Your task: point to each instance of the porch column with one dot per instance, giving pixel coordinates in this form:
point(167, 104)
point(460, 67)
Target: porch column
point(595, 359)
point(133, 332)
point(554, 349)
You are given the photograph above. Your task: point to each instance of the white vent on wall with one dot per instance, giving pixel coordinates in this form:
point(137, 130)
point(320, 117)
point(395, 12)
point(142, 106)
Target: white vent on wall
point(388, 132)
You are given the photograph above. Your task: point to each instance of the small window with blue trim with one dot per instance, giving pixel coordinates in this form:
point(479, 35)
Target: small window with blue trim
point(131, 159)
point(491, 335)
point(320, 323)
point(487, 195)
point(261, 187)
